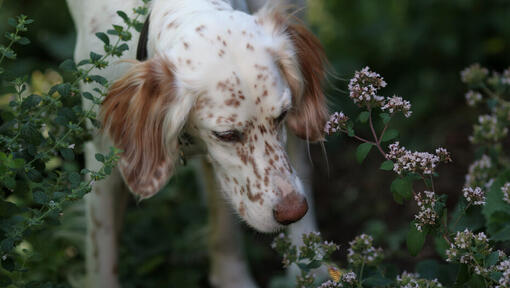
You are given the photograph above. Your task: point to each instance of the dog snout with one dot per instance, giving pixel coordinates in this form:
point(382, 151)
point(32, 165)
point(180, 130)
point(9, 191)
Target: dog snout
point(290, 209)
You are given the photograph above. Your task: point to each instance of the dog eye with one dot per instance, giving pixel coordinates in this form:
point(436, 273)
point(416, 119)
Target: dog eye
point(229, 136)
point(281, 117)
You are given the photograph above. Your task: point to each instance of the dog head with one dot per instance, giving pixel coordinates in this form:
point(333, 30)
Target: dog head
point(233, 82)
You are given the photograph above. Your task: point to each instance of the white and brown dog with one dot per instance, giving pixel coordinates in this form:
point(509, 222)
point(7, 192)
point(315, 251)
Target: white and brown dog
point(230, 81)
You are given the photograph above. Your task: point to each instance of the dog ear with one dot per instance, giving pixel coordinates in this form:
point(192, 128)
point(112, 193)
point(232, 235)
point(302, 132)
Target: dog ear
point(310, 115)
point(143, 117)
point(301, 59)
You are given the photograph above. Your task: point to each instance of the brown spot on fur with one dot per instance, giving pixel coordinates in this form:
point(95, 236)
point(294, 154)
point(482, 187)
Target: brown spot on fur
point(250, 47)
point(242, 209)
point(232, 102)
point(186, 45)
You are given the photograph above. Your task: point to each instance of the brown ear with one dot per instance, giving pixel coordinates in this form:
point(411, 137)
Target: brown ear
point(304, 69)
point(133, 114)
point(307, 120)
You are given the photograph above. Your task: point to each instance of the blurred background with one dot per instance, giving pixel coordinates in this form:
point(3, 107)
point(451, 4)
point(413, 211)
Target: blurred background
point(418, 46)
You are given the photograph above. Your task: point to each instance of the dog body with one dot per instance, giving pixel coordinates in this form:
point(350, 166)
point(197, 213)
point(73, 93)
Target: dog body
point(223, 78)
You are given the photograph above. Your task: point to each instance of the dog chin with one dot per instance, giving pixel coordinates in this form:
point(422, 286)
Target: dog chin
point(267, 227)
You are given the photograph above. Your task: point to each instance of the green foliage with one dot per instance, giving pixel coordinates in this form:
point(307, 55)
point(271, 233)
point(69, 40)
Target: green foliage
point(40, 137)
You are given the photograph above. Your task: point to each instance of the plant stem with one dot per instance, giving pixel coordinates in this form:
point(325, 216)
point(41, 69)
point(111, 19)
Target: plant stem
point(376, 139)
point(361, 274)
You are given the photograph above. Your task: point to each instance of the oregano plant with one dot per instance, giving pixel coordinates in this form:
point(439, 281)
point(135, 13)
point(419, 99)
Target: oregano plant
point(41, 136)
point(473, 251)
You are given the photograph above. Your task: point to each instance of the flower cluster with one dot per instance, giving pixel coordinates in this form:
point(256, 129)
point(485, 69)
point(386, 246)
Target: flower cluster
point(397, 104)
point(362, 251)
point(412, 280)
point(479, 172)
point(337, 122)
point(505, 189)
point(469, 248)
point(349, 277)
point(427, 215)
point(488, 129)
point(474, 74)
point(331, 284)
point(444, 155)
point(314, 248)
point(473, 98)
point(474, 196)
point(506, 77)
point(504, 268)
point(283, 246)
point(364, 86)
point(420, 162)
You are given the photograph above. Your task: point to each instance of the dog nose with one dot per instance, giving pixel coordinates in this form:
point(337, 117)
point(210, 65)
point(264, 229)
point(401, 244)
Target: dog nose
point(290, 209)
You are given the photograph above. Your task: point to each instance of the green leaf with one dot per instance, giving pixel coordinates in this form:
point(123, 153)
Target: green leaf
point(402, 189)
point(415, 239)
point(9, 182)
point(99, 79)
point(67, 154)
point(502, 235)
point(95, 57)
point(30, 102)
point(40, 197)
point(362, 151)
point(68, 65)
point(12, 22)
point(100, 157)
point(34, 175)
point(124, 17)
point(387, 165)
point(492, 259)
point(385, 117)
point(103, 37)
point(494, 196)
point(24, 41)
point(363, 116)
point(463, 275)
point(74, 178)
point(389, 135)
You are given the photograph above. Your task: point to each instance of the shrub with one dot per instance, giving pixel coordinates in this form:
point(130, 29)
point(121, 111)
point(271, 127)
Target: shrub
point(40, 138)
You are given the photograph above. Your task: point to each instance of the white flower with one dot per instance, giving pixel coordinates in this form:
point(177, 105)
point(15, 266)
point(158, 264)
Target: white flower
point(427, 215)
point(506, 192)
point(337, 122)
point(349, 277)
point(422, 162)
point(363, 88)
point(473, 97)
point(506, 77)
point(479, 172)
point(474, 196)
point(397, 104)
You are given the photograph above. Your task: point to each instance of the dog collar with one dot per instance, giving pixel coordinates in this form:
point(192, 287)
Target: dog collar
point(141, 51)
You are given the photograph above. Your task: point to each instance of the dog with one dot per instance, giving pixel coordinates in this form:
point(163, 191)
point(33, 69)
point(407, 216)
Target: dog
point(229, 82)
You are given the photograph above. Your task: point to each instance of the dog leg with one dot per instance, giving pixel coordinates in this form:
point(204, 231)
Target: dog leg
point(104, 209)
point(228, 264)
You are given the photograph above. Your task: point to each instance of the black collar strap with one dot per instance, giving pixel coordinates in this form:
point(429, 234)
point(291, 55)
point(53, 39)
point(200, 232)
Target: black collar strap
point(141, 52)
